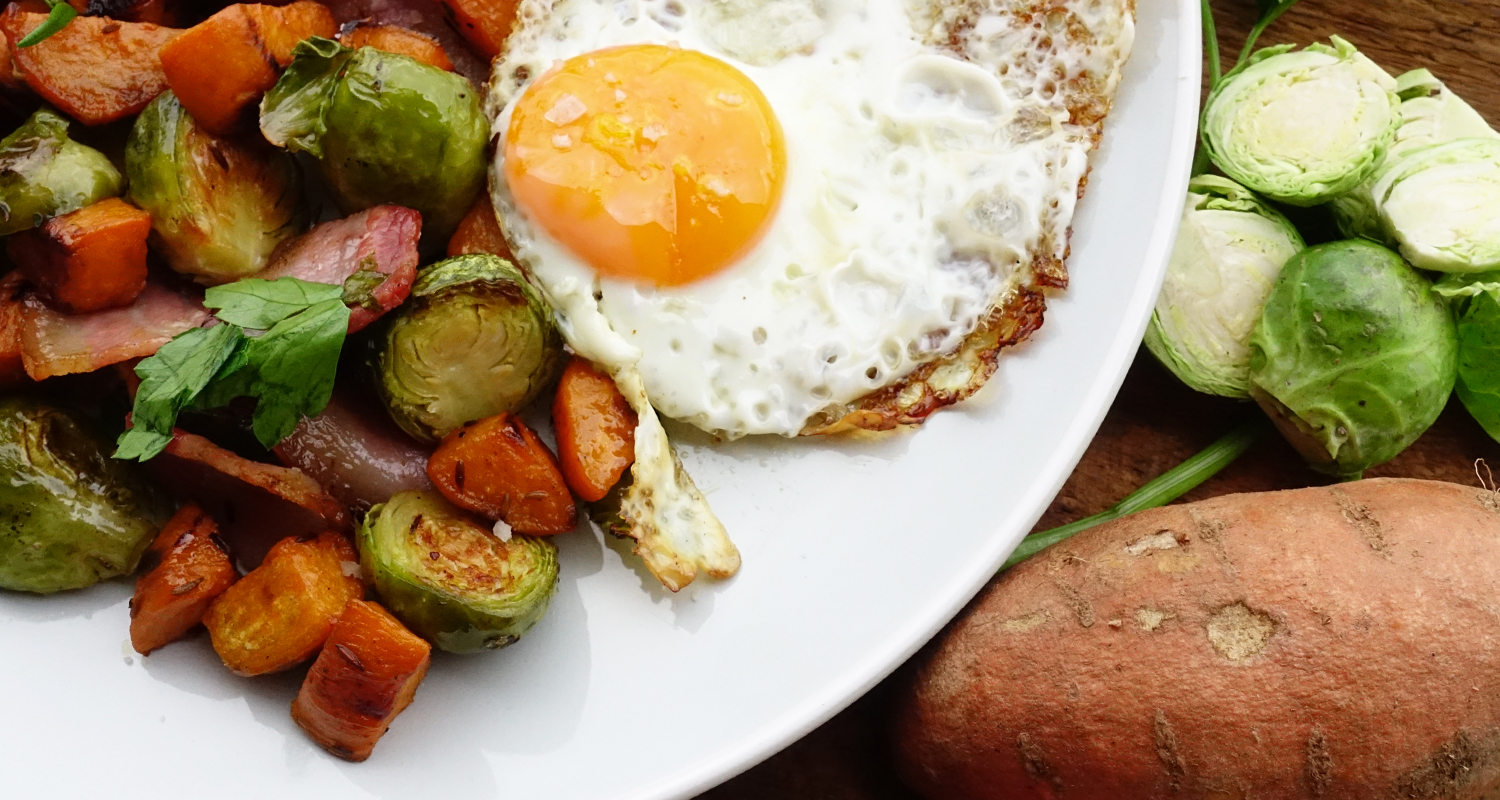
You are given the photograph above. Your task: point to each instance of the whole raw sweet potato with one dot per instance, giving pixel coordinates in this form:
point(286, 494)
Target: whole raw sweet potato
point(1338, 642)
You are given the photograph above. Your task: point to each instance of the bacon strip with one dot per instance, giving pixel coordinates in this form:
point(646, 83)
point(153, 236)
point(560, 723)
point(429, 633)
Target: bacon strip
point(54, 343)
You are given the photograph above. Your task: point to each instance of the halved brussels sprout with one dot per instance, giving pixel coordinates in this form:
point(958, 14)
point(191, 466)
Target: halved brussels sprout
point(43, 173)
point(1430, 114)
point(1442, 205)
point(1354, 356)
point(473, 340)
point(451, 580)
point(385, 128)
point(70, 516)
point(218, 206)
point(1230, 248)
point(1302, 127)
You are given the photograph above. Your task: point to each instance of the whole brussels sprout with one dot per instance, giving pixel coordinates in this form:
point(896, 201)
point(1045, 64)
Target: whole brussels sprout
point(1230, 248)
point(70, 516)
point(1354, 356)
point(1479, 360)
point(43, 173)
point(1441, 204)
point(473, 340)
point(1302, 127)
point(451, 580)
point(385, 128)
point(1430, 114)
point(218, 206)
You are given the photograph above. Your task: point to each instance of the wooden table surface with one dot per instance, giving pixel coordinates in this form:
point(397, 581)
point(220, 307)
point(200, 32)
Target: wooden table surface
point(1155, 422)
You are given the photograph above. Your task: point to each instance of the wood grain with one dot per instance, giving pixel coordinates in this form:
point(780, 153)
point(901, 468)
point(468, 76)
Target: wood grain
point(1155, 422)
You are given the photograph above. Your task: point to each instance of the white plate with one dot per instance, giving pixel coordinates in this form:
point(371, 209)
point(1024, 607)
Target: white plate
point(854, 555)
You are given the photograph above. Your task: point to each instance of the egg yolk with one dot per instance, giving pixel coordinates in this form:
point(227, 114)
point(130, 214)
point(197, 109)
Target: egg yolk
point(652, 163)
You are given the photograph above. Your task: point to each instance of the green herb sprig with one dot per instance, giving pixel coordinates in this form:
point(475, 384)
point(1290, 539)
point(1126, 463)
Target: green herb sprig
point(57, 18)
point(278, 342)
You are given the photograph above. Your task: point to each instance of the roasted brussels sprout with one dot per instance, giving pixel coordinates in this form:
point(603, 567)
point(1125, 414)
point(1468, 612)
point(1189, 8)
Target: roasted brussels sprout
point(385, 128)
point(218, 206)
point(1302, 127)
point(1230, 248)
point(43, 173)
point(451, 580)
point(1441, 204)
point(70, 516)
point(474, 340)
point(1354, 356)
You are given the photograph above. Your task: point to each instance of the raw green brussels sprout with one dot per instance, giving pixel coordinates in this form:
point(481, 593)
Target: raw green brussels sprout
point(70, 516)
point(1230, 248)
point(218, 206)
point(474, 340)
point(1302, 127)
point(1441, 204)
point(385, 128)
point(43, 173)
point(451, 580)
point(1430, 114)
point(1354, 356)
point(1479, 360)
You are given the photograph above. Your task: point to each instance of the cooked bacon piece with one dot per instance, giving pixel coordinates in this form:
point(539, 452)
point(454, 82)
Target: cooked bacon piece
point(395, 39)
point(356, 453)
point(12, 290)
point(255, 504)
point(54, 343)
point(92, 259)
point(422, 16)
point(95, 70)
point(191, 568)
point(381, 240)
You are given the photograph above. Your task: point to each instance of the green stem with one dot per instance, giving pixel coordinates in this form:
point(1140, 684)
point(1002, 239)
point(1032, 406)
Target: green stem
point(1215, 74)
point(57, 19)
point(1167, 487)
point(1260, 27)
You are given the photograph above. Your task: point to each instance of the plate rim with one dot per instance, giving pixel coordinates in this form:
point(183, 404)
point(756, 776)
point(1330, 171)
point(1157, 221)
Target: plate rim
point(812, 712)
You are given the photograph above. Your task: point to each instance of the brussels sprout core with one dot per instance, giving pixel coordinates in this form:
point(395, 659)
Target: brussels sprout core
point(474, 340)
point(450, 579)
point(1230, 248)
point(1442, 204)
point(1354, 356)
point(43, 173)
point(1302, 127)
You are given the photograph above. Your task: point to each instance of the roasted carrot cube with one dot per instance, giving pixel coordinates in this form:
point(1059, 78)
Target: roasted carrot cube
point(90, 260)
point(485, 23)
point(367, 674)
point(479, 232)
point(499, 468)
point(396, 39)
point(281, 612)
point(95, 70)
point(595, 430)
point(220, 67)
point(192, 567)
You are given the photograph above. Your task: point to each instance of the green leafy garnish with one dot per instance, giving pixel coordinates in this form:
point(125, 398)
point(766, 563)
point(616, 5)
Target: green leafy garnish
point(288, 368)
point(57, 19)
point(359, 288)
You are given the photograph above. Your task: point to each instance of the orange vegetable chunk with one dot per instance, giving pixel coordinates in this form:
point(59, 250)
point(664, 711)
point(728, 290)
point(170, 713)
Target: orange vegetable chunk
point(485, 23)
point(281, 612)
point(479, 232)
point(595, 430)
point(192, 567)
point(396, 39)
point(367, 673)
point(12, 320)
point(95, 70)
point(220, 67)
point(92, 259)
point(499, 468)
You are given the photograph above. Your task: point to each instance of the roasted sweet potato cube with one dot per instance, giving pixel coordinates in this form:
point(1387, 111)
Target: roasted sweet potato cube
point(95, 70)
point(395, 39)
point(485, 23)
point(595, 430)
point(367, 674)
point(499, 468)
point(187, 566)
point(220, 67)
point(279, 614)
point(90, 260)
point(479, 232)
point(12, 321)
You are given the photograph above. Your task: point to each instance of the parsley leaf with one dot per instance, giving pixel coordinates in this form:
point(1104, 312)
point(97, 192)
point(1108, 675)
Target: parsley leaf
point(58, 18)
point(259, 304)
point(295, 363)
point(170, 380)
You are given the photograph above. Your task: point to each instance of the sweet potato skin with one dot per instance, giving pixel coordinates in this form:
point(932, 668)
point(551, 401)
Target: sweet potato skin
point(92, 259)
point(95, 70)
point(499, 468)
point(1330, 642)
point(367, 673)
point(188, 566)
point(595, 430)
point(479, 232)
point(281, 612)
